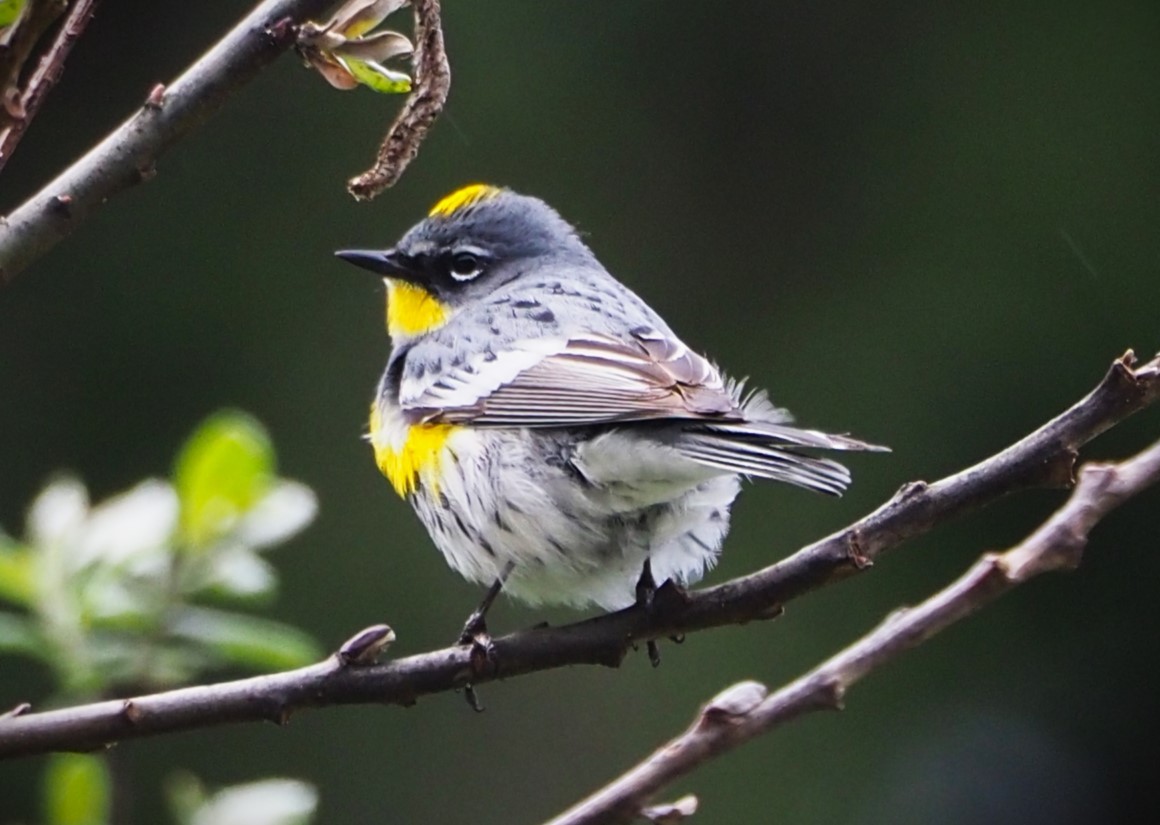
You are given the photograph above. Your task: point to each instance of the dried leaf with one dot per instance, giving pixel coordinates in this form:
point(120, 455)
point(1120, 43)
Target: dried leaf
point(332, 71)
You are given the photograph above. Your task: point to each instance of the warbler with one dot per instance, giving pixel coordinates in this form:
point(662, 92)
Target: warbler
point(554, 435)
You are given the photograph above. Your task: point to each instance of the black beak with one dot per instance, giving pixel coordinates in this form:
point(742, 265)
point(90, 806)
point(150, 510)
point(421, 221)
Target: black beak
point(385, 262)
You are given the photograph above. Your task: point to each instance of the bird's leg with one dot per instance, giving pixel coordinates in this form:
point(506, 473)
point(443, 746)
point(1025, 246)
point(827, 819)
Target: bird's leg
point(475, 628)
point(646, 588)
point(475, 633)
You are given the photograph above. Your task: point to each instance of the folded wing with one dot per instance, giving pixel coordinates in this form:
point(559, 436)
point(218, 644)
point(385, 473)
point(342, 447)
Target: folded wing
point(596, 379)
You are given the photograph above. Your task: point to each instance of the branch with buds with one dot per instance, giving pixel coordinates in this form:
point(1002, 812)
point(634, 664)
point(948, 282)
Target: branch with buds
point(747, 710)
point(1044, 458)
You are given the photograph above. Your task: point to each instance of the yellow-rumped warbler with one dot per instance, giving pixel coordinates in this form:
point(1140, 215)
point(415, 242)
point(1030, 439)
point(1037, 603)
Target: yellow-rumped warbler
point(554, 435)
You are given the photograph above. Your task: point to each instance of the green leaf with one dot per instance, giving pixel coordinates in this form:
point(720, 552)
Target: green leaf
point(224, 468)
point(17, 583)
point(377, 77)
point(18, 635)
point(250, 641)
point(10, 11)
point(76, 790)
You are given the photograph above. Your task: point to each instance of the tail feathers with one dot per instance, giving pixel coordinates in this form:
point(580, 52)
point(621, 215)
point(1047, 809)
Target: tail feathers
point(766, 432)
point(765, 460)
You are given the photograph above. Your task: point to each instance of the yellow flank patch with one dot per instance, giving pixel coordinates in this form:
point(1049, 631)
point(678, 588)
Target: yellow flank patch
point(420, 455)
point(412, 310)
point(462, 198)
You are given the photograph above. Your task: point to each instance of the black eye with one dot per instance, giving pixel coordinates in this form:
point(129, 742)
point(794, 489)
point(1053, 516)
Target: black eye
point(465, 266)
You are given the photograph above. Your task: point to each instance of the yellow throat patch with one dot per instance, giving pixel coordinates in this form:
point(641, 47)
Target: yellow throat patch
point(412, 310)
point(418, 457)
point(463, 198)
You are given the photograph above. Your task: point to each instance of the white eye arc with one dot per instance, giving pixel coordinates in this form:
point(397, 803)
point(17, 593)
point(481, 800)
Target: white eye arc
point(466, 265)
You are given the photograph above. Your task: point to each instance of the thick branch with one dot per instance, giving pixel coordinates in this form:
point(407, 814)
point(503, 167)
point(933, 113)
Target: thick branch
point(745, 711)
point(127, 156)
point(1043, 458)
point(47, 73)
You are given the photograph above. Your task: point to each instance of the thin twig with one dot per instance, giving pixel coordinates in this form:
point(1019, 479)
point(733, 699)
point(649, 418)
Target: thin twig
point(744, 711)
point(34, 21)
point(1045, 457)
point(46, 75)
point(423, 106)
point(129, 154)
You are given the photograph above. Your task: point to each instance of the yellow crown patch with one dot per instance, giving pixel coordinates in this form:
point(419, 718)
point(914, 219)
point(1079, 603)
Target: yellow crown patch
point(463, 198)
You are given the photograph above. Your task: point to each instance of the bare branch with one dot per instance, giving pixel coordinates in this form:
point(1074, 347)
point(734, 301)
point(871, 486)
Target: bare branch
point(47, 73)
point(127, 156)
point(423, 106)
point(744, 711)
point(1043, 458)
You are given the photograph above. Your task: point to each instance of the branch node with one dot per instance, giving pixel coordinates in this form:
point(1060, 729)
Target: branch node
point(365, 647)
point(19, 710)
point(909, 490)
point(854, 549)
point(62, 205)
point(132, 712)
point(895, 615)
point(156, 97)
point(733, 702)
point(1122, 376)
point(773, 611)
point(282, 31)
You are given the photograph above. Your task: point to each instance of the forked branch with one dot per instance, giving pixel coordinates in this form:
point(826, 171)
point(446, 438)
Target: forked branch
point(746, 710)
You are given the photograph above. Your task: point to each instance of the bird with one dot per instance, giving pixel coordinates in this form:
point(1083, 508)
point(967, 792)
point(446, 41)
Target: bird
point(557, 439)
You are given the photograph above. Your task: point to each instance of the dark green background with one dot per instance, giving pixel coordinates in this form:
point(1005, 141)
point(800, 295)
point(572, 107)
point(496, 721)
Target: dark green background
point(928, 224)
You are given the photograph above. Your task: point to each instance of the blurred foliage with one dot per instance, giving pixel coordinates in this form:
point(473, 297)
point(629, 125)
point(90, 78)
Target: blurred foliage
point(266, 802)
point(76, 790)
point(108, 597)
point(10, 11)
point(108, 591)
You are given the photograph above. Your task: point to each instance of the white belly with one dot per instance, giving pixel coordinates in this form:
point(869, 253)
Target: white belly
point(577, 531)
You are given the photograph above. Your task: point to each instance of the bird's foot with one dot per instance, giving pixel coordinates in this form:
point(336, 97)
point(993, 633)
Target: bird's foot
point(646, 590)
point(476, 635)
